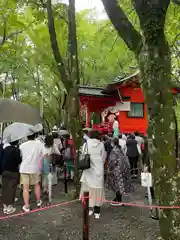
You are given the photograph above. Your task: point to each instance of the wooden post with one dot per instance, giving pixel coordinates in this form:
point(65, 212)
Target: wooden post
point(65, 178)
point(85, 205)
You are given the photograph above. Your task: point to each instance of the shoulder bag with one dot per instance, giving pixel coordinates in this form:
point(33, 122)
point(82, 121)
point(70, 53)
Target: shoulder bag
point(85, 163)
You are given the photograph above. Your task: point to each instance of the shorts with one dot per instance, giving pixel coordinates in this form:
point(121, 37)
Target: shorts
point(30, 179)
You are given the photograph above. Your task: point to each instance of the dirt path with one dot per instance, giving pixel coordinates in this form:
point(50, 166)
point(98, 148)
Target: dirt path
point(65, 222)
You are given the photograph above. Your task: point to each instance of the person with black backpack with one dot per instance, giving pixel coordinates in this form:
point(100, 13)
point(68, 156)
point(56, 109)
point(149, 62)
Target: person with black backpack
point(11, 160)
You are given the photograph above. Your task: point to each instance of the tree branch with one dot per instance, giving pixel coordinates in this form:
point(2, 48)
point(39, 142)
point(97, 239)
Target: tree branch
point(4, 35)
point(54, 45)
point(151, 12)
point(63, 18)
point(11, 35)
point(114, 43)
point(123, 26)
point(152, 16)
point(175, 39)
point(176, 2)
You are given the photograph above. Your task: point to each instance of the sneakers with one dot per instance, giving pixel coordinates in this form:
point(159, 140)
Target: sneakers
point(91, 212)
point(5, 209)
point(39, 203)
point(97, 215)
point(116, 204)
point(10, 210)
point(26, 208)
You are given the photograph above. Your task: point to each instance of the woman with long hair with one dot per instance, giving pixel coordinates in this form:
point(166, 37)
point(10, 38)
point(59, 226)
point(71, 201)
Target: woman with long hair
point(49, 149)
point(118, 175)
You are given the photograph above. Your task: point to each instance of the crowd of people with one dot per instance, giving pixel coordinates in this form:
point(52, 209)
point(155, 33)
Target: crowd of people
point(113, 162)
point(28, 164)
point(117, 159)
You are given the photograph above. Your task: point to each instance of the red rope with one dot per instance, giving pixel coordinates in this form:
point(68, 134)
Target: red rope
point(20, 214)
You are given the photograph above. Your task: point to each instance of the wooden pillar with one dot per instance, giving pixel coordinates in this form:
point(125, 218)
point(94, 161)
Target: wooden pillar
point(88, 116)
point(85, 205)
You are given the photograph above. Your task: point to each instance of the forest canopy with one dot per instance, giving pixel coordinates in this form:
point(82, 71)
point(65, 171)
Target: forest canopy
point(27, 67)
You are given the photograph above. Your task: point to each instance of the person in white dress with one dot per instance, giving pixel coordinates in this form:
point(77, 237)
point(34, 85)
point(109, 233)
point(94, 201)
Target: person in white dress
point(92, 179)
point(124, 137)
point(122, 144)
point(115, 127)
point(139, 140)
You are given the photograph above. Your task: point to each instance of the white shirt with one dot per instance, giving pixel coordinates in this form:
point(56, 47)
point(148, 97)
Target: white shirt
point(140, 141)
point(124, 137)
point(47, 151)
point(86, 137)
point(115, 125)
point(31, 152)
point(51, 150)
point(58, 143)
point(122, 143)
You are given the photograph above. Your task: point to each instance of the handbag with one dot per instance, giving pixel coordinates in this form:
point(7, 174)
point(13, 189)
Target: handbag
point(85, 163)
point(146, 179)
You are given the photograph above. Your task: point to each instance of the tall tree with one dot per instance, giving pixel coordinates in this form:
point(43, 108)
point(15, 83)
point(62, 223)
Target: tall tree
point(68, 75)
point(152, 52)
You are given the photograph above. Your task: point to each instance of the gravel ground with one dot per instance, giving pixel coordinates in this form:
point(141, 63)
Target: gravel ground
point(65, 222)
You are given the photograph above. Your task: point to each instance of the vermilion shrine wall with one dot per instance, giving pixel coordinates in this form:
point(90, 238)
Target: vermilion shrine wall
point(126, 123)
point(132, 124)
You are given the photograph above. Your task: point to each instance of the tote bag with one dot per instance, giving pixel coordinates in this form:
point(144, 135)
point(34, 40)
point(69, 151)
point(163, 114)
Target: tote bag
point(85, 163)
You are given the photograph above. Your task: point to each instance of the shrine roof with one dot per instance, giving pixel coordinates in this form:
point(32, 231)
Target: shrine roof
point(91, 91)
point(110, 88)
point(121, 81)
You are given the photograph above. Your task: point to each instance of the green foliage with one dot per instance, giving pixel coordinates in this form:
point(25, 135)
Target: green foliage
point(173, 34)
point(103, 56)
point(178, 114)
point(27, 64)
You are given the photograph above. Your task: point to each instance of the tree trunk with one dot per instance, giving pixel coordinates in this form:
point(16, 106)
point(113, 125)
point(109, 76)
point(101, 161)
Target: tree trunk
point(73, 93)
point(155, 68)
point(70, 76)
point(74, 124)
point(153, 54)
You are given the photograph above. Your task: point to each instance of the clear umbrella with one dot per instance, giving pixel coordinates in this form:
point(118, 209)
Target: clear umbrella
point(17, 131)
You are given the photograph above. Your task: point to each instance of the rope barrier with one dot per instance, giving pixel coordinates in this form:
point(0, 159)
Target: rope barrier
point(38, 209)
point(130, 204)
